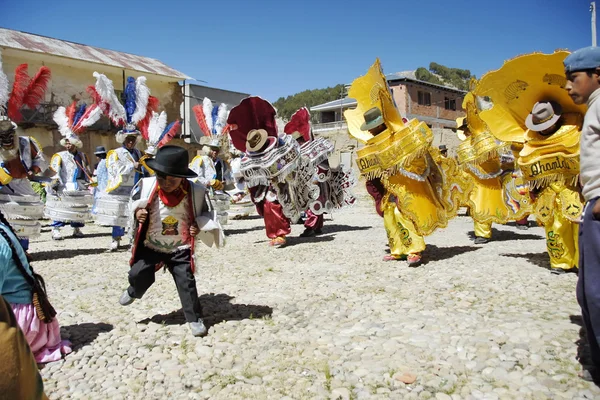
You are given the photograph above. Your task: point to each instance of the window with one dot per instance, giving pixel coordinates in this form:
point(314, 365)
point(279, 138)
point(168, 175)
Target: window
point(424, 98)
point(449, 104)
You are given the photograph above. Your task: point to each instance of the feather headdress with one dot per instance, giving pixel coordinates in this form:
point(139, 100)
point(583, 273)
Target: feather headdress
point(159, 133)
point(212, 121)
point(73, 120)
point(25, 91)
point(133, 116)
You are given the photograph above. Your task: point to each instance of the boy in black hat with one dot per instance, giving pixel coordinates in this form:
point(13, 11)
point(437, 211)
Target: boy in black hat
point(169, 211)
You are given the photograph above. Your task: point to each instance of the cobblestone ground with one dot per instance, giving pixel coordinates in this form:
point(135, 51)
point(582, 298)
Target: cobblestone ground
point(321, 318)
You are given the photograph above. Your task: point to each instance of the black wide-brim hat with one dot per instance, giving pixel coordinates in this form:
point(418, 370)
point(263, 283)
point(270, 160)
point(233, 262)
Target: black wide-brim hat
point(172, 161)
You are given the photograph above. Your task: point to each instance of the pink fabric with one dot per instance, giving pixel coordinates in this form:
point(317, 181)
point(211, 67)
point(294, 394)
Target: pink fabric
point(44, 339)
point(312, 221)
point(276, 223)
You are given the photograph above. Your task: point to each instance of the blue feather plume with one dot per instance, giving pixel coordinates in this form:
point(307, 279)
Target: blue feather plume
point(214, 116)
point(79, 114)
point(130, 98)
point(167, 129)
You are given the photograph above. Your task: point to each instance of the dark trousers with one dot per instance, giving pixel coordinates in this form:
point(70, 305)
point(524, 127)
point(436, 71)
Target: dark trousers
point(588, 284)
point(141, 277)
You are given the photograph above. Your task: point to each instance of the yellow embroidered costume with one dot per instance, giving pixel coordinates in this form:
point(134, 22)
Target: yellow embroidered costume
point(495, 197)
point(411, 191)
point(549, 160)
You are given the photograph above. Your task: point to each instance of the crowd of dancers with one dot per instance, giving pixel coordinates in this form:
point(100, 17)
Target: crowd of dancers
point(519, 157)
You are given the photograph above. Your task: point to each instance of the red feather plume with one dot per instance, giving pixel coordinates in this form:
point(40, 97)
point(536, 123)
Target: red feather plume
point(91, 90)
point(226, 129)
point(201, 119)
point(71, 110)
point(143, 124)
point(37, 87)
point(78, 128)
point(170, 134)
point(15, 101)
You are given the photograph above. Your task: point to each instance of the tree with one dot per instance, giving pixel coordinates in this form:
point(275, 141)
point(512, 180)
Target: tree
point(456, 77)
point(308, 98)
point(423, 75)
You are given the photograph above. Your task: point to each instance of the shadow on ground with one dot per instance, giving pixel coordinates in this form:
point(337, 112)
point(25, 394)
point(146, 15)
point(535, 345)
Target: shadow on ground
point(504, 236)
point(95, 235)
point(532, 224)
point(83, 334)
point(434, 253)
point(583, 348)
point(217, 308)
point(333, 228)
point(230, 232)
point(296, 240)
point(539, 259)
point(65, 253)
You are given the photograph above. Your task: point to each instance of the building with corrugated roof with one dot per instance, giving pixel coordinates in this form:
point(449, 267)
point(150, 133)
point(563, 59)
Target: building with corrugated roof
point(72, 65)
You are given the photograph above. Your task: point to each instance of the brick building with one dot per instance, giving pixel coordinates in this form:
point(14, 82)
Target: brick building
point(436, 105)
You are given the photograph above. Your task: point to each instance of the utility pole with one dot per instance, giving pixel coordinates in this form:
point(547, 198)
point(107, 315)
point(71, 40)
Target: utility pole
point(341, 105)
point(593, 11)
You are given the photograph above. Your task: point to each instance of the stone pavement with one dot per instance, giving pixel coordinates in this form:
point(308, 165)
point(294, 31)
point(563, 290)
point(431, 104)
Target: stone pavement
point(321, 318)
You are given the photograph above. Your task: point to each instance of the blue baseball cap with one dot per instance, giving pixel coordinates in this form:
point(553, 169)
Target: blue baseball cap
point(582, 59)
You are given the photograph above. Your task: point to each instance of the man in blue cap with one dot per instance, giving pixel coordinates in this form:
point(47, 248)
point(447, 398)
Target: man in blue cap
point(582, 69)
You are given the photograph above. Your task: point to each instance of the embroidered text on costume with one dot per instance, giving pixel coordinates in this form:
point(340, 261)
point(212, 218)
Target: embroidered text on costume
point(367, 162)
point(539, 167)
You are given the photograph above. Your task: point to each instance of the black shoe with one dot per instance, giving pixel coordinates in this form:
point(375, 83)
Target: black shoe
point(481, 240)
point(308, 233)
point(318, 231)
point(561, 271)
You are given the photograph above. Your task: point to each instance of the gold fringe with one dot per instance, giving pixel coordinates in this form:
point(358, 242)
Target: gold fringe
point(547, 180)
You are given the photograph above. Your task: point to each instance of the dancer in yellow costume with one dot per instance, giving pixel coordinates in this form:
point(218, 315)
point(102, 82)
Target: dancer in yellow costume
point(491, 200)
point(525, 101)
point(401, 173)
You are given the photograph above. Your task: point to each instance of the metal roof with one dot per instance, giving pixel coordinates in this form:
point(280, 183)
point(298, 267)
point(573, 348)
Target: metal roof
point(42, 44)
point(410, 76)
point(334, 105)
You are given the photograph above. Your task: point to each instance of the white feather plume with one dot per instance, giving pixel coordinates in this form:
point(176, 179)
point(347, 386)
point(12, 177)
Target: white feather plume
point(142, 93)
point(156, 127)
point(92, 117)
point(61, 119)
point(106, 90)
point(221, 118)
point(207, 107)
point(4, 87)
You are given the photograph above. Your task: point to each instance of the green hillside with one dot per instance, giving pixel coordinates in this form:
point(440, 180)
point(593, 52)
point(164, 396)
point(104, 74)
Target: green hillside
point(437, 73)
point(442, 75)
point(286, 106)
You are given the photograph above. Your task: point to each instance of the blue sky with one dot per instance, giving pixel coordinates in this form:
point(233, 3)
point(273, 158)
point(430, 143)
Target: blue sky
point(276, 48)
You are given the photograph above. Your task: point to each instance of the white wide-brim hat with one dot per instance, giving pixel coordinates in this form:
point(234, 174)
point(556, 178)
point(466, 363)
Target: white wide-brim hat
point(74, 140)
point(256, 140)
point(121, 135)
